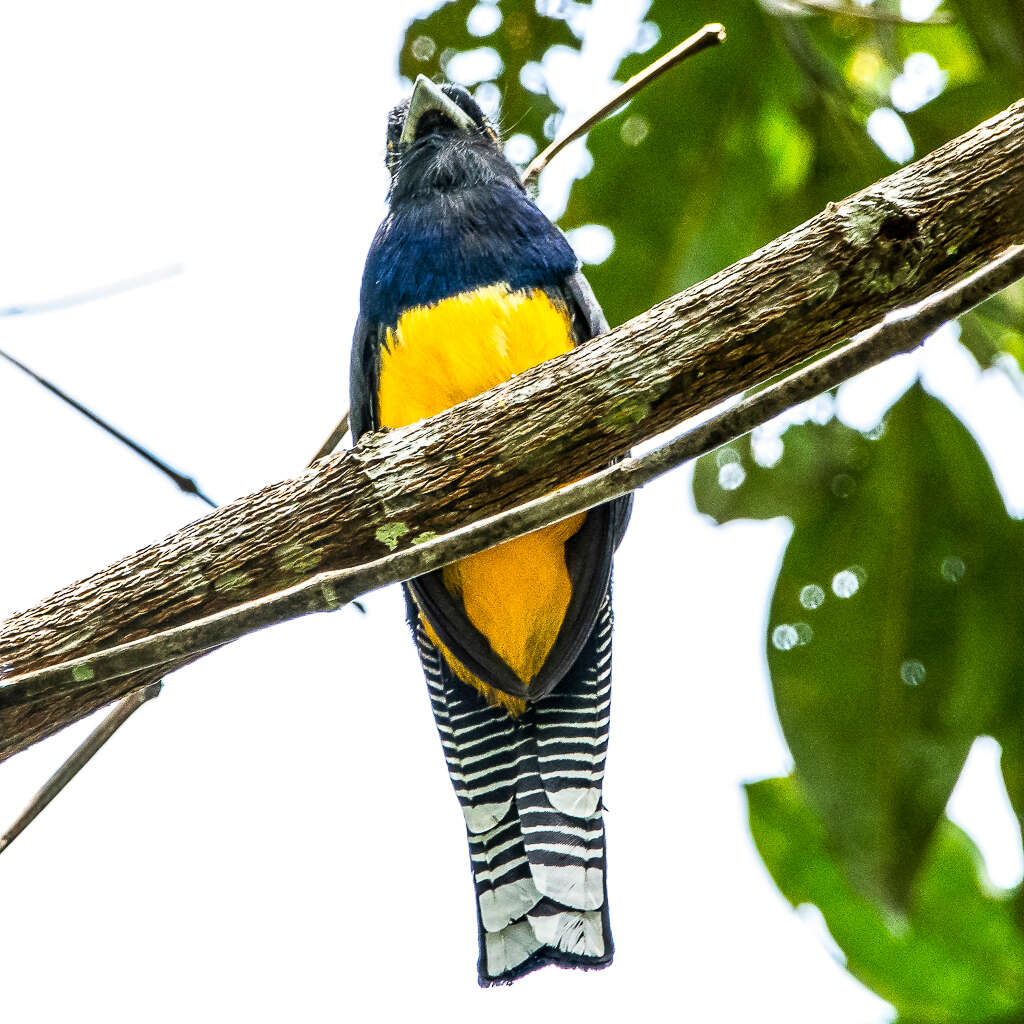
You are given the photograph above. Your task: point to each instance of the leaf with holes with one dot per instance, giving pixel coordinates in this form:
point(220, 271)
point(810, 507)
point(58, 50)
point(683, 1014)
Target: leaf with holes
point(797, 475)
point(887, 638)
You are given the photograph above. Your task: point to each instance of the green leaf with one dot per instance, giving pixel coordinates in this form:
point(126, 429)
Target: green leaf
point(887, 638)
point(745, 141)
point(739, 144)
point(817, 461)
point(996, 328)
point(1008, 733)
point(957, 955)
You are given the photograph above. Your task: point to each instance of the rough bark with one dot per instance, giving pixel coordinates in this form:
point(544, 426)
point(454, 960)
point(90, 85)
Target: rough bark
point(329, 590)
point(915, 232)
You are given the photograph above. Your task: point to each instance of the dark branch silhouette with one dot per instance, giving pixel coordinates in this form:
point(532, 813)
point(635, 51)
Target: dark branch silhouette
point(183, 482)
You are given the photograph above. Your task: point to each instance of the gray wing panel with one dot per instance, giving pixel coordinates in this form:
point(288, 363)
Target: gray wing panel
point(587, 305)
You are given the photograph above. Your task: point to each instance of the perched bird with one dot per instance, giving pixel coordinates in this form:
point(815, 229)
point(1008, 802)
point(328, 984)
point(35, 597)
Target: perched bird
point(467, 283)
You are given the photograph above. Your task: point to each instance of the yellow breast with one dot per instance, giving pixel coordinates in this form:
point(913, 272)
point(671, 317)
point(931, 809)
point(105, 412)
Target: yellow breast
point(436, 356)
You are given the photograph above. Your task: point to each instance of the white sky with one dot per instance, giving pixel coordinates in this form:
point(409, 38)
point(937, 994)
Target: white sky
point(276, 837)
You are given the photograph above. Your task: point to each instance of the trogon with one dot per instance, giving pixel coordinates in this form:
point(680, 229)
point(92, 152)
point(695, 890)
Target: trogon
point(467, 283)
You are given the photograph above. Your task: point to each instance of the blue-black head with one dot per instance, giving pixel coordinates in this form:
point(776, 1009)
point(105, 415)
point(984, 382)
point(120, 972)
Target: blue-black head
point(440, 141)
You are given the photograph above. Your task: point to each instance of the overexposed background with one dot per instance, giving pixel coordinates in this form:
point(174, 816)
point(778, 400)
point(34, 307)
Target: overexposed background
point(276, 836)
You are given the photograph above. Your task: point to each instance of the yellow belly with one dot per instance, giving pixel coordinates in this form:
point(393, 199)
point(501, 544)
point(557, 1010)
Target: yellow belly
point(516, 594)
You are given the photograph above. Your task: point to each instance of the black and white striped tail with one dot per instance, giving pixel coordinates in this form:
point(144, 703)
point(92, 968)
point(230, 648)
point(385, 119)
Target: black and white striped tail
point(530, 789)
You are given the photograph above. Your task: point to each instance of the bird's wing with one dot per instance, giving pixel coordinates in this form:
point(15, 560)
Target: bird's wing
point(588, 561)
point(364, 377)
point(588, 322)
point(588, 553)
point(585, 308)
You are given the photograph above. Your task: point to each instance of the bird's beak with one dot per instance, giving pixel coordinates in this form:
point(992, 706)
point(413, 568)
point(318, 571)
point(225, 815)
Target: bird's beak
point(425, 97)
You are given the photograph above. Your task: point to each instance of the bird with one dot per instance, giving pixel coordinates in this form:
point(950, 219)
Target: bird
point(467, 283)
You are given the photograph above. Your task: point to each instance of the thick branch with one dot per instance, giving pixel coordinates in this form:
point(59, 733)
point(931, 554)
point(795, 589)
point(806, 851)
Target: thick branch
point(911, 234)
point(328, 591)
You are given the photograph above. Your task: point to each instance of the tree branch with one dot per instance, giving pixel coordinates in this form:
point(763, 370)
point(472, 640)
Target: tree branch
point(709, 35)
point(91, 294)
point(925, 227)
point(183, 482)
point(78, 760)
point(329, 591)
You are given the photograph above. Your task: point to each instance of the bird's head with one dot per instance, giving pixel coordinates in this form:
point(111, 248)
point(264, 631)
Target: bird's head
point(439, 140)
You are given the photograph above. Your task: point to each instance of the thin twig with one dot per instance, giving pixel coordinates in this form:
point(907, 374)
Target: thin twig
point(126, 707)
point(332, 442)
point(900, 332)
point(92, 294)
point(129, 704)
point(326, 449)
point(184, 483)
point(709, 35)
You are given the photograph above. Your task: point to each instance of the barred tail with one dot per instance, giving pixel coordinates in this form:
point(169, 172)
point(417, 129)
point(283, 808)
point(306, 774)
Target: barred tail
point(530, 789)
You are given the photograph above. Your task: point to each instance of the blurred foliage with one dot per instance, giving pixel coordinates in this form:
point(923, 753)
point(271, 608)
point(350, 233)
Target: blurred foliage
point(750, 139)
point(887, 646)
point(996, 329)
point(892, 639)
point(892, 595)
point(956, 954)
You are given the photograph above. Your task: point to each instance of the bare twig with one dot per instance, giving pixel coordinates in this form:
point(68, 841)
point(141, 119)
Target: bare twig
point(332, 442)
point(117, 717)
point(126, 707)
point(91, 294)
point(709, 35)
point(330, 590)
point(184, 483)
